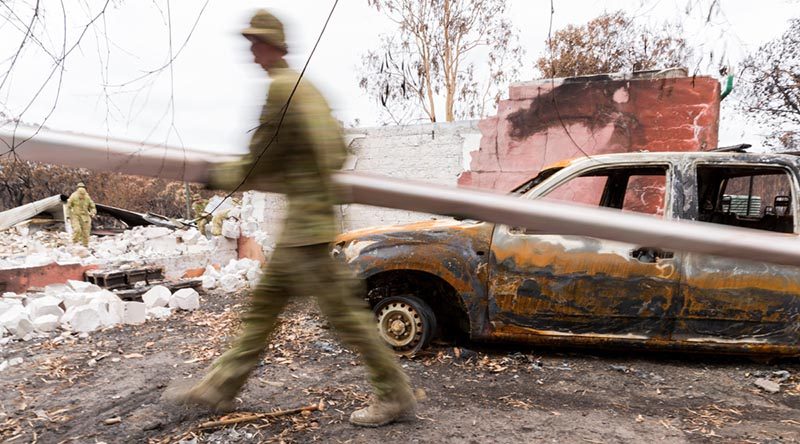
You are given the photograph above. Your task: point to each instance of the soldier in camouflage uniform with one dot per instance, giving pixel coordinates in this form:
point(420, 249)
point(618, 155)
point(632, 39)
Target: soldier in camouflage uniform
point(81, 211)
point(200, 215)
point(296, 158)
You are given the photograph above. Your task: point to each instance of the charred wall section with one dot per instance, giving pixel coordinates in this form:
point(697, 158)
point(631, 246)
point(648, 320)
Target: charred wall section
point(547, 121)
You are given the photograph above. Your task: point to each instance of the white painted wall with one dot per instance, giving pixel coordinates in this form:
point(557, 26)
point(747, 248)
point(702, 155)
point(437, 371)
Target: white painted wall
point(435, 153)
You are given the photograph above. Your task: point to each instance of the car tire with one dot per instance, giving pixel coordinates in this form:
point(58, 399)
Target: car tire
point(405, 322)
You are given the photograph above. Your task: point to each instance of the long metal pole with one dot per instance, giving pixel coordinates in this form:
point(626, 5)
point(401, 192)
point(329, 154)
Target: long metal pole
point(540, 216)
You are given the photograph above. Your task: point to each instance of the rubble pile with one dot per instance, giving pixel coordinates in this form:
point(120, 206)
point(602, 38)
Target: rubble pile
point(21, 247)
point(237, 274)
point(84, 307)
point(136, 244)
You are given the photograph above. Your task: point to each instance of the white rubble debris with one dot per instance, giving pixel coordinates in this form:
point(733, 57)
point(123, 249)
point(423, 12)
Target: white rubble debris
point(45, 305)
point(15, 319)
point(26, 316)
point(21, 247)
point(237, 274)
point(190, 236)
point(10, 363)
point(209, 282)
point(158, 296)
point(159, 312)
point(82, 287)
point(135, 313)
point(83, 319)
point(230, 228)
point(767, 385)
point(46, 323)
point(110, 307)
point(185, 299)
point(83, 307)
point(230, 283)
point(73, 299)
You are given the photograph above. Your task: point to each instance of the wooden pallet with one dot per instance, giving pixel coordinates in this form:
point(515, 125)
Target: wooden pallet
point(111, 279)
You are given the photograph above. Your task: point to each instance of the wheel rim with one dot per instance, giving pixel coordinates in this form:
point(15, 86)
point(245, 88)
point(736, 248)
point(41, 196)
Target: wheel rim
point(401, 325)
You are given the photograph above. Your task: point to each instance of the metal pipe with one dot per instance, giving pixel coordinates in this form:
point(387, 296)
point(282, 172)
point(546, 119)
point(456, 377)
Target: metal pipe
point(536, 215)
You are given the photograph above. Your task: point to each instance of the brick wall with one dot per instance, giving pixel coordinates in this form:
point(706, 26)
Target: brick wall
point(546, 121)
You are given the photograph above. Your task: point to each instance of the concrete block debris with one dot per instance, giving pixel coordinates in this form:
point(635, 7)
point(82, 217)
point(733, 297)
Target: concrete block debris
point(56, 308)
point(237, 274)
point(185, 299)
point(135, 313)
point(158, 296)
point(45, 305)
point(159, 312)
point(83, 319)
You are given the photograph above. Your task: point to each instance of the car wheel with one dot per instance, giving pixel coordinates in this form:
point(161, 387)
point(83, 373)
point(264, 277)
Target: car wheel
point(406, 323)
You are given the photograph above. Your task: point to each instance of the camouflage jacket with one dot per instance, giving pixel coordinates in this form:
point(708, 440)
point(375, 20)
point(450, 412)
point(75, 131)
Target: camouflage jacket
point(293, 151)
point(80, 204)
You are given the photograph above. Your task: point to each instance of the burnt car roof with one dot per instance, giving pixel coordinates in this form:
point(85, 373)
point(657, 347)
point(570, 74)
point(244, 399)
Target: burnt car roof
point(677, 156)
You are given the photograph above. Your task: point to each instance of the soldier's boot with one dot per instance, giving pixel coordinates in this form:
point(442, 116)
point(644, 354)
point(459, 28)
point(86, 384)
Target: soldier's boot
point(382, 411)
point(200, 395)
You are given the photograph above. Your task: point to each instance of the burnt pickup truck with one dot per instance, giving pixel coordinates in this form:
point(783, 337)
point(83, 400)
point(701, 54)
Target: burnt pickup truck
point(502, 283)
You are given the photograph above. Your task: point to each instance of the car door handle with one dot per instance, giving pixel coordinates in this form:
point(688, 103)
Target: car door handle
point(650, 254)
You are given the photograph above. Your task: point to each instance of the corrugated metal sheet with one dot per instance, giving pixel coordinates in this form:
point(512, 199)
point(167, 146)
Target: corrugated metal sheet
point(53, 206)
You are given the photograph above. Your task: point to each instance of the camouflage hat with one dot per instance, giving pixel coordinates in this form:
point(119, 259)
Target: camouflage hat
point(81, 185)
point(267, 28)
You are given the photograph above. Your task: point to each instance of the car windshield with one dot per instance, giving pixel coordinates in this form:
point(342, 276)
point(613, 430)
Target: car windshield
point(533, 183)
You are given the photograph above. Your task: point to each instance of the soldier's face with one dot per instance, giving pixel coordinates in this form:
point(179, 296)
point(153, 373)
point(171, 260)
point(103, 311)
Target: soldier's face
point(264, 54)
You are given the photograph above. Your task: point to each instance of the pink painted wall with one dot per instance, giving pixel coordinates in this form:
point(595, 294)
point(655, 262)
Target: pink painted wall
point(547, 121)
point(20, 280)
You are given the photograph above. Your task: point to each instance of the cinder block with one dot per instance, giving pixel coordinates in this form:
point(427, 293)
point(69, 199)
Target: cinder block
point(46, 323)
point(82, 287)
point(157, 296)
point(15, 319)
point(135, 313)
point(45, 305)
point(209, 282)
point(109, 306)
point(84, 319)
point(74, 299)
point(56, 290)
point(185, 299)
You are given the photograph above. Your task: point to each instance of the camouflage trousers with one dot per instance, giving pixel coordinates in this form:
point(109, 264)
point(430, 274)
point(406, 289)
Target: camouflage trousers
point(303, 271)
point(81, 228)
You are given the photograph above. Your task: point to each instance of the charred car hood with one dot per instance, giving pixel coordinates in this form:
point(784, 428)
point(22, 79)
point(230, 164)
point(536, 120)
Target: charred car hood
point(431, 227)
point(469, 235)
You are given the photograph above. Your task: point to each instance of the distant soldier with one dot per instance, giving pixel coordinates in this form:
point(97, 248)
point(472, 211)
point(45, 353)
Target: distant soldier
point(81, 211)
point(200, 215)
point(298, 160)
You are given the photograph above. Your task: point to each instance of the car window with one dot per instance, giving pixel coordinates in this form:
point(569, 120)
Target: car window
point(635, 189)
point(533, 183)
point(749, 197)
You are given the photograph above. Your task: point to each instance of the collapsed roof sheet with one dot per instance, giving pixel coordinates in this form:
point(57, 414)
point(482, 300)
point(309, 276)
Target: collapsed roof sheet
point(53, 205)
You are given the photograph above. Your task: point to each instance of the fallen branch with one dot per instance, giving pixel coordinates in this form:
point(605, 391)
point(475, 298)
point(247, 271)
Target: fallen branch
point(255, 417)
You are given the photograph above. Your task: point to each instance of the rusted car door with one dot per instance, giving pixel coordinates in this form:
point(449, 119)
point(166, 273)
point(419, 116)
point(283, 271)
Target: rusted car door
point(545, 285)
point(732, 301)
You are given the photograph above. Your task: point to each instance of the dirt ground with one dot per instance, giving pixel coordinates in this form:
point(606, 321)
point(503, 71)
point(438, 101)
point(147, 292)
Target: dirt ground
point(108, 387)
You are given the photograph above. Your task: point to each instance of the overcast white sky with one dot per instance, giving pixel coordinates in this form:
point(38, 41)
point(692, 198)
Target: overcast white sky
point(217, 90)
